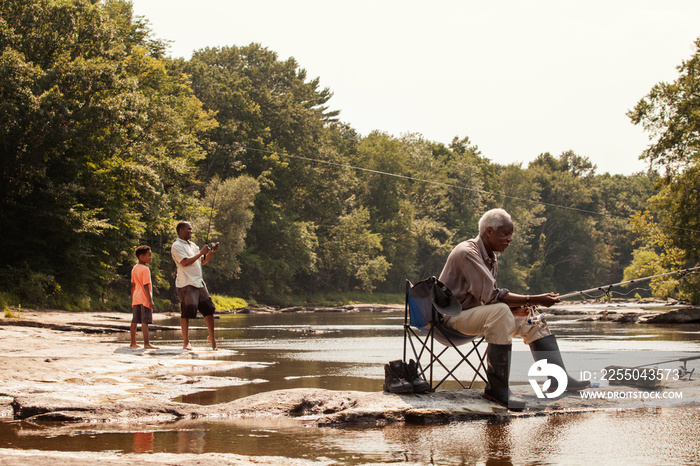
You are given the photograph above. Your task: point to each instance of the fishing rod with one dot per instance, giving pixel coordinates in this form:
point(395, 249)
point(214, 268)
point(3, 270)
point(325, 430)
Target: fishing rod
point(211, 215)
point(683, 360)
point(682, 370)
point(606, 288)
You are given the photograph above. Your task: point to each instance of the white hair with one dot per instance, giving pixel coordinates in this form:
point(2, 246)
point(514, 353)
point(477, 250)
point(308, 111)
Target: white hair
point(494, 218)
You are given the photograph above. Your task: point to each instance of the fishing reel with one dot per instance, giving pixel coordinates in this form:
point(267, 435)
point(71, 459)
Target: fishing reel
point(534, 317)
point(683, 371)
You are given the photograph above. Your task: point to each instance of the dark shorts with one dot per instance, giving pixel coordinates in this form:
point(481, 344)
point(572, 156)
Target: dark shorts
point(141, 314)
point(193, 299)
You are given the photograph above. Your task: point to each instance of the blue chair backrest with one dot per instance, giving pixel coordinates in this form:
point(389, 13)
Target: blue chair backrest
point(420, 303)
point(421, 313)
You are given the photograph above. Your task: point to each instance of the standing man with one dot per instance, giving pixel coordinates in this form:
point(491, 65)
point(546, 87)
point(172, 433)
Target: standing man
point(191, 289)
point(470, 273)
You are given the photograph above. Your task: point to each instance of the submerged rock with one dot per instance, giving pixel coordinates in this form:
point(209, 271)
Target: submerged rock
point(628, 318)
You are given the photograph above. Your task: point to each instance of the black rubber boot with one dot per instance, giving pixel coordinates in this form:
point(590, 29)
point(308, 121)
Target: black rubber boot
point(547, 348)
point(420, 385)
point(395, 379)
point(498, 374)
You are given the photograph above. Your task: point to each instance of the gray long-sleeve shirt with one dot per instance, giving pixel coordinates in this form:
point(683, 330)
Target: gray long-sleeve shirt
point(470, 273)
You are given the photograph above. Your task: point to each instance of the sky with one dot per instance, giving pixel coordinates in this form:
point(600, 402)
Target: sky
point(517, 77)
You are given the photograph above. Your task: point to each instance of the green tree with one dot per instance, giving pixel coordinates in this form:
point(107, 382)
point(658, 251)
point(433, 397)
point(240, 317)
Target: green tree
point(353, 252)
point(618, 198)
point(656, 256)
point(446, 198)
point(229, 204)
point(520, 195)
point(569, 247)
point(98, 140)
point(469, 172)
point(275, 127)
point(670, 113)
point(384, 192)
point(106, 144)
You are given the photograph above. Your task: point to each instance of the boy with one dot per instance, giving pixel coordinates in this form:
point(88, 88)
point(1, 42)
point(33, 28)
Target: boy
point(142, 296)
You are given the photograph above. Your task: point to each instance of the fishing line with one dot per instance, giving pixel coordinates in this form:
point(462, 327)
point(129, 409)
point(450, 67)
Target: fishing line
point(447, 185)
point(613, 292)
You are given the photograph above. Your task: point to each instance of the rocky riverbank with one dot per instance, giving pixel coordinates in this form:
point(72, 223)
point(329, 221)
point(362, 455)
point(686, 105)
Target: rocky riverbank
point(662, 312)
point(71, 367)
point(659, 312)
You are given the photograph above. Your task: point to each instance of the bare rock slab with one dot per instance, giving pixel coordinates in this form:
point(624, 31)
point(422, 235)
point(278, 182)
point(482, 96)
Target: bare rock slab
point(687, 315)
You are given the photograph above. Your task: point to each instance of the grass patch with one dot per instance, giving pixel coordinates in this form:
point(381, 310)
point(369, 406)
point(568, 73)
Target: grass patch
point(227, 302)
point(8, 299)
point(9, 314)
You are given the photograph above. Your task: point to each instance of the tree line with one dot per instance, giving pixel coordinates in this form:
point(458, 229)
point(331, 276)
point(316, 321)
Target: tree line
point(107, 143)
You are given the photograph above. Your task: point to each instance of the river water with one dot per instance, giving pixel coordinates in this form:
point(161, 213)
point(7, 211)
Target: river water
point(347, 351)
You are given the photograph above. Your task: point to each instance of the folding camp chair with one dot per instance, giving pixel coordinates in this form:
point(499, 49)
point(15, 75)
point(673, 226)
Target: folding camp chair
point(422, 327)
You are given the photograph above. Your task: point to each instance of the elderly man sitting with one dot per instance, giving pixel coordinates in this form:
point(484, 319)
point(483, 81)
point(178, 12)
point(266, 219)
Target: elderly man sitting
point(470, 273)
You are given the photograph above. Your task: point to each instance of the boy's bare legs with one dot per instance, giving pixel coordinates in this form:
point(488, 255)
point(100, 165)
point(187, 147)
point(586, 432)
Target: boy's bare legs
point(134, 325)
point(146, 341)
point(185, 326)
point(209, 320)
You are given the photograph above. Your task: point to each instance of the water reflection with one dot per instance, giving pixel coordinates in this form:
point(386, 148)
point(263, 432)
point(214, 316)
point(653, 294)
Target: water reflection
point(347, 351)
point(191, 441)
point(651, 436)
point(306, 350)
point(143, 442)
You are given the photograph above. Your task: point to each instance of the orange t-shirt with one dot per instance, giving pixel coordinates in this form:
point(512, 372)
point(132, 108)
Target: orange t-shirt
point(140, 276)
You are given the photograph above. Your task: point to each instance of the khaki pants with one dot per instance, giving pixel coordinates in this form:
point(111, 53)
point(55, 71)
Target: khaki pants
point(497, 323)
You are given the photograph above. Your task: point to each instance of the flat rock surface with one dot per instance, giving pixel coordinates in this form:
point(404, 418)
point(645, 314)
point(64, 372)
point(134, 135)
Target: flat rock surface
point(686, 315)
point(53, 369)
